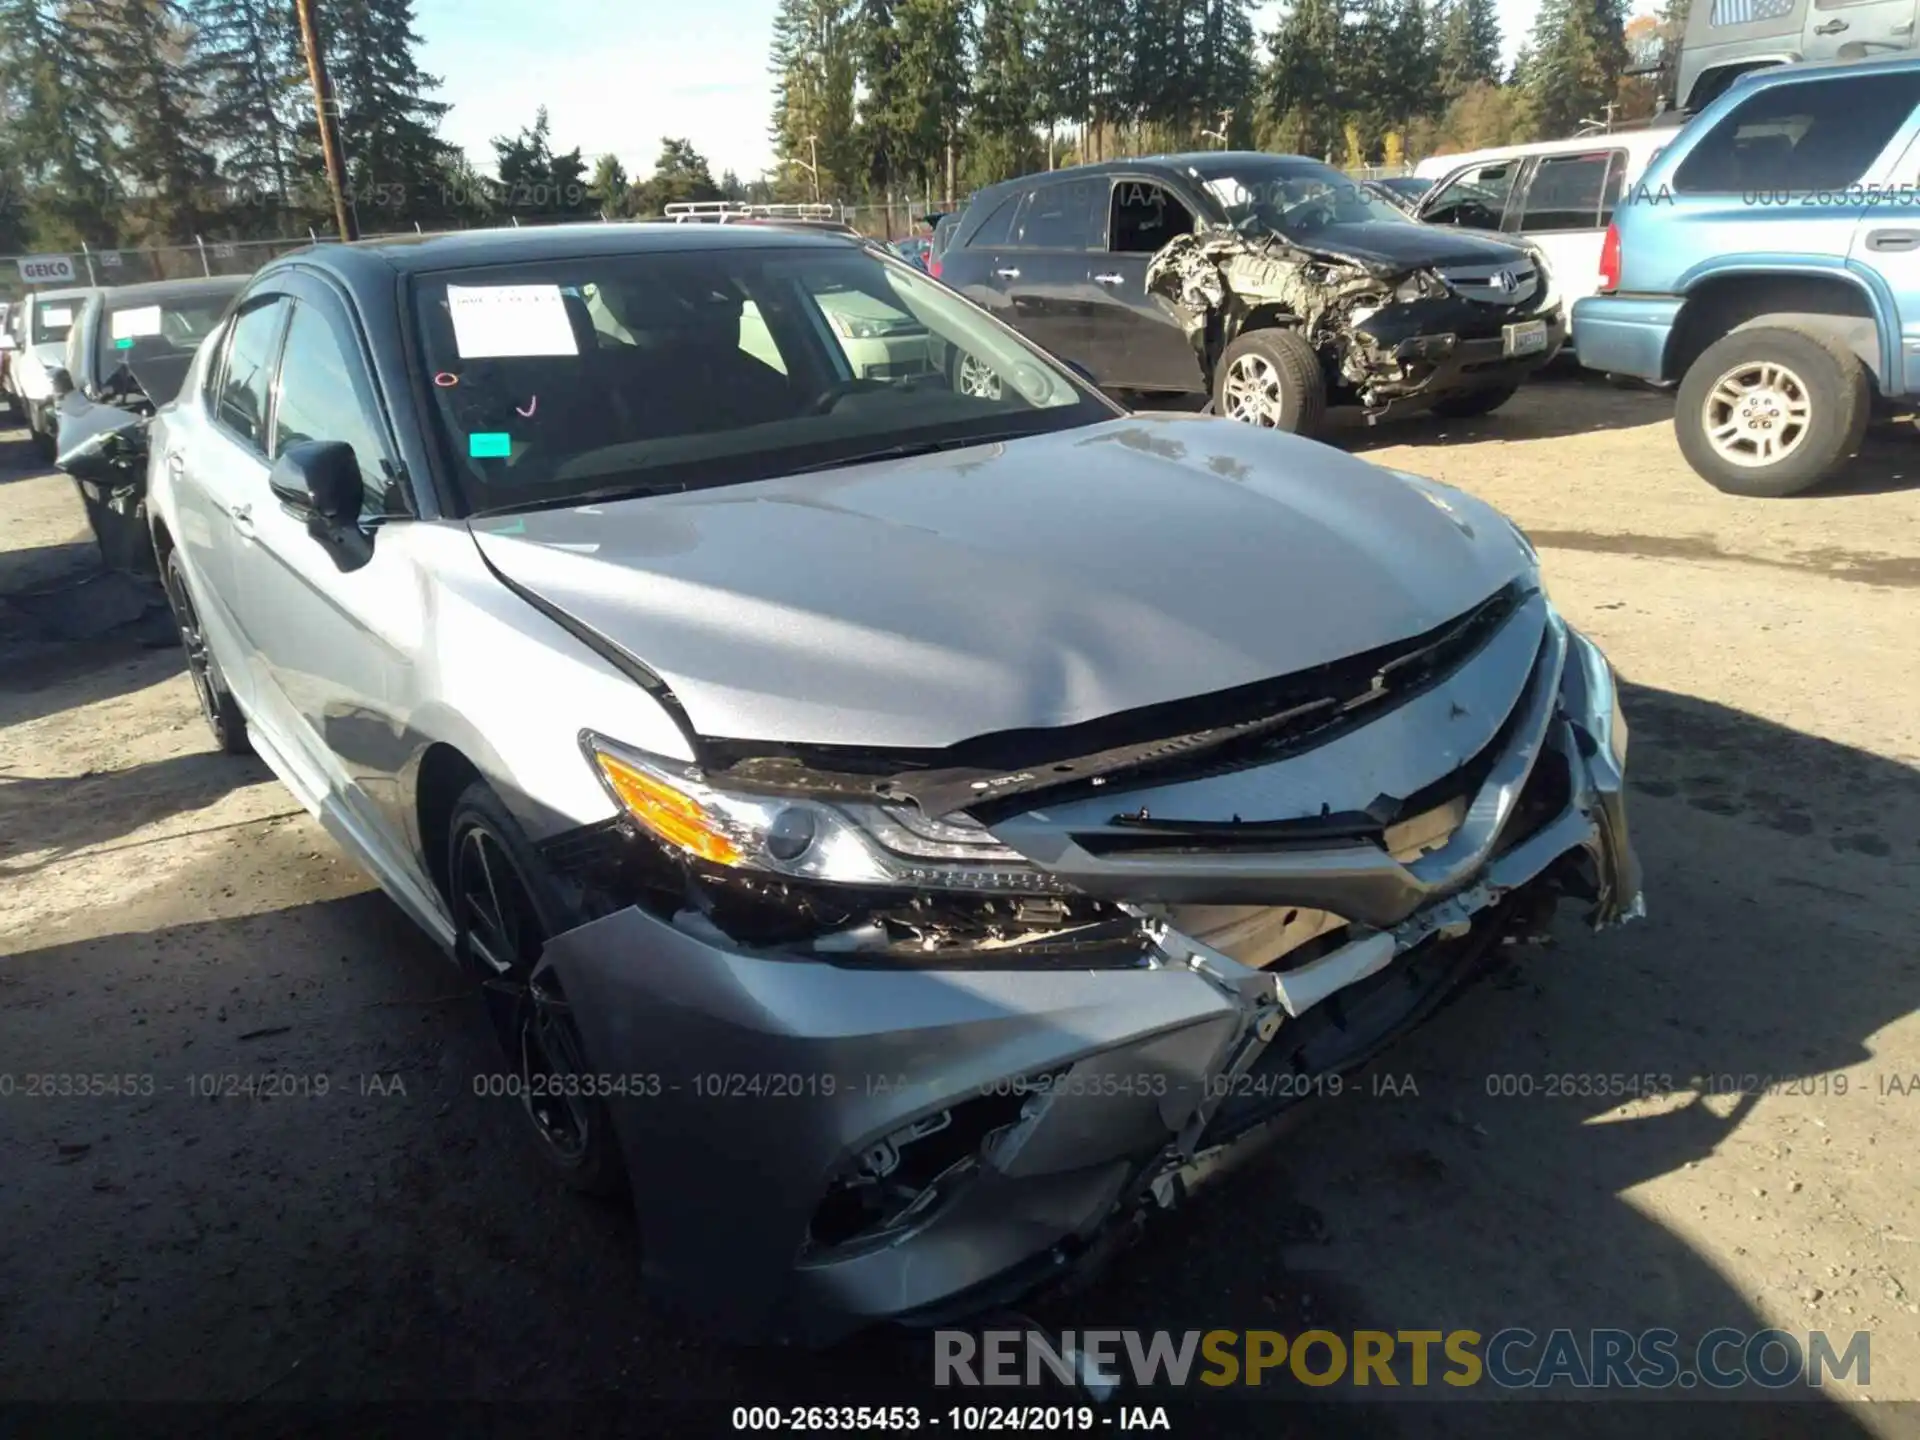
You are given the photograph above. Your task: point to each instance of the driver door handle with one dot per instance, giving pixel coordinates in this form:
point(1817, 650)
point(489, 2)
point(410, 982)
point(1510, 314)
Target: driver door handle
point(242, 517)
point(176, 467)
point(1008, 274)
point(1832, 27)
point(1111, 279)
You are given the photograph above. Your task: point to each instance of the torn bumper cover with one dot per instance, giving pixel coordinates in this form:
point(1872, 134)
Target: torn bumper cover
point(1391, 335)
point(822, 1140)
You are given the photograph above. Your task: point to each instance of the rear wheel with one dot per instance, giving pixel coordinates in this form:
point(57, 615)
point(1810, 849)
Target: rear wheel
point(1771, 411)
point(217, 705)
point(1467, 404)
point(1273, 379)
point(505, 911)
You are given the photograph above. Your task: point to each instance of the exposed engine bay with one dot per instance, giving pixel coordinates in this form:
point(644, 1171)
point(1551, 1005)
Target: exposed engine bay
point(1376, 326)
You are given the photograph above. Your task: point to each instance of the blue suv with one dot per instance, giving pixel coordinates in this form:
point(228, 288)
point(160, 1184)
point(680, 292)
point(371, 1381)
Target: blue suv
point(1769, 262)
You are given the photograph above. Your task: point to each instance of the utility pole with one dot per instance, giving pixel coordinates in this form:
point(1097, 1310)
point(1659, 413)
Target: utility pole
point(329, 120)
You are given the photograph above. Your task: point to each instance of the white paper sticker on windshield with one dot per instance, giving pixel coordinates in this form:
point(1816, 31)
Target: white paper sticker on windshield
point(499, 320)
point(53, 316)
point(132, 324)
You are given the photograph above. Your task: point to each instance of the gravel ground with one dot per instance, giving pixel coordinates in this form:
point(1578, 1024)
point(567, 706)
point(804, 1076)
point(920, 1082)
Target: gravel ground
point(166, 913)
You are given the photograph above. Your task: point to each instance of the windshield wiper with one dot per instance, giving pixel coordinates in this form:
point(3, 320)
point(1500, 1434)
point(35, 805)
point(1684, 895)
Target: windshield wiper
point(906, 450)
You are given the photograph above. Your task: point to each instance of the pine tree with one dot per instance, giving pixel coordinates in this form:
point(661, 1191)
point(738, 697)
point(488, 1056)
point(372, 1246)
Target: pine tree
point(1223, 72)
point(58, 136)
point(935, 47)
point(886, 110)
point(1007, 102)
point(814, 64)
point(1469, 47)
point(1579, 52)
point(154, 103)
point(610, 188)
point(397, 165)
point(255, 90)
point(1308, 93)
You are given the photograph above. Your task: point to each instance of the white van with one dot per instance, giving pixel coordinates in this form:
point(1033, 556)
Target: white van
point(1557, 194)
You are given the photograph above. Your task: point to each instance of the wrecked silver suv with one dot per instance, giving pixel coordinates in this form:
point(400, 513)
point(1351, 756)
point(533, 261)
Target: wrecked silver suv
point(1271, 284)
point(905, 837)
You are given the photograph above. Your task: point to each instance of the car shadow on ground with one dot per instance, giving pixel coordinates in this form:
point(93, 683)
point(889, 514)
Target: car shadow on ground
point(392, 1242)
point(51, 818)
point(20, 458)
point(1548, 407)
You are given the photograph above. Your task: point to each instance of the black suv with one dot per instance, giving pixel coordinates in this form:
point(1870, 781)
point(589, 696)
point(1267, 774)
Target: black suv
point(1272, 284)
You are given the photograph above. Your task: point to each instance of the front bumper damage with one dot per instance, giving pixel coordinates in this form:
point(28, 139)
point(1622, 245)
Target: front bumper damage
point(1393, 349)
point(1028, 1117)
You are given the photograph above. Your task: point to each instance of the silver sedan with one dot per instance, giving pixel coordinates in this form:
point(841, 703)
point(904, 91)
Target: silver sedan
point(905, 836)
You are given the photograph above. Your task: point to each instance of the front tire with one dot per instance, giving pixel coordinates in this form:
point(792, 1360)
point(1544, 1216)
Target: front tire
point(1470, 404)
point(1273, 379)
point(970, 375)
point(505, 909)
point(217, 705)
point(1770, 412)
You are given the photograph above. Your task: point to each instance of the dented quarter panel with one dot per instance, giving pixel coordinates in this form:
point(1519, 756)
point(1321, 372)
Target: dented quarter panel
point(1035, 584)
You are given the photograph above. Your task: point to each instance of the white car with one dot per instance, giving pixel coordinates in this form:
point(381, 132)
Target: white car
point(38, 326)
point(1558, 195)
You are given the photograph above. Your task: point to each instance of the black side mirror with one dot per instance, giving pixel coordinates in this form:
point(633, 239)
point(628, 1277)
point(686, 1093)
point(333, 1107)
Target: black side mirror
point(321, 480)
point(1083, 372)
point(61, 381)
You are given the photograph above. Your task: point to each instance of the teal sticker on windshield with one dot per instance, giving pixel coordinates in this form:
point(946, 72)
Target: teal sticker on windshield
point(125, 342)
point(489, 445)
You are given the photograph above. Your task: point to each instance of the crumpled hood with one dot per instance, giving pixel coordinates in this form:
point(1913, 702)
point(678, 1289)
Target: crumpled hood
point(1388, 246)
point(1036, 583)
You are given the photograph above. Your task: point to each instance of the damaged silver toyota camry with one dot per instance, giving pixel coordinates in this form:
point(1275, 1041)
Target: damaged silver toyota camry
point(904, 837)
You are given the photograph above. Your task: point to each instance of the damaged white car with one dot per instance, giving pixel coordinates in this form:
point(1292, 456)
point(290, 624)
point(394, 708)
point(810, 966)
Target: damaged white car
point(906, 837)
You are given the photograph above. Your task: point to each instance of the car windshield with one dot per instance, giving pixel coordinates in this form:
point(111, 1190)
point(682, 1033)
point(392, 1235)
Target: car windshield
point(1294, 198)
point(132, 329)
point(584, 377)
point(51, 320)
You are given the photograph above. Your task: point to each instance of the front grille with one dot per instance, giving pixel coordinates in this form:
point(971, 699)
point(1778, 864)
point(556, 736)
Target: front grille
point(1513, 283)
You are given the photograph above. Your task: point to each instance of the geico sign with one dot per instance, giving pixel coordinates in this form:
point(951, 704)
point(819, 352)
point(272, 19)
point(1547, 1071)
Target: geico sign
point(39, 269)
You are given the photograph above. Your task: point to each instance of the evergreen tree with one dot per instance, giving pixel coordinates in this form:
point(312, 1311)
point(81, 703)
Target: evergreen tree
point(397, 165)
point(1308, 93)
point(1579, 52)
point(681, 174)
point(935, 46)
point(534, 183)
point(256, 89)
point(154, 106)
point(1469, 47)
point(611, 189)
point(57, 131)
point(886, 116)
point(1007, 102)
point(1223, 71)
point(813, 64)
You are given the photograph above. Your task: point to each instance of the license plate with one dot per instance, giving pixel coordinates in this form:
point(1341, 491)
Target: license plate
point(1529, 337)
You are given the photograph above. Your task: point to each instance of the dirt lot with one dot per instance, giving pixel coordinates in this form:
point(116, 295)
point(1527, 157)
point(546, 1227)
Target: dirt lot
point(167, 914)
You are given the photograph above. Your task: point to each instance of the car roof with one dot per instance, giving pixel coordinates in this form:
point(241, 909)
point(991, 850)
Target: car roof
point(1637, 143)
point(148, 291)
point(373, 262)
point(75, 292)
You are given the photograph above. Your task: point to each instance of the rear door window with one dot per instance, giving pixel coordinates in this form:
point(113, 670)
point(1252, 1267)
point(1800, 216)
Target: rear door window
point(1814, 135)
point(997, 228)
point(1569, 192)
point(1063, 216)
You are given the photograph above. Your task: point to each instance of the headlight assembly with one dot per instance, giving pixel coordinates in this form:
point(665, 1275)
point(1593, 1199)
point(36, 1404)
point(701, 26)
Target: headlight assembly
point(841, 844)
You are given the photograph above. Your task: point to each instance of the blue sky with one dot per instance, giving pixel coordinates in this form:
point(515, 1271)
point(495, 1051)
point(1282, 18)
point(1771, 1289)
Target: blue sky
point(616, 75)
